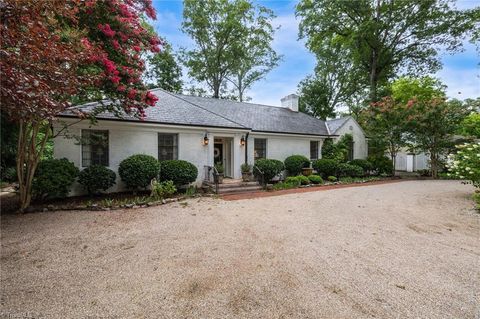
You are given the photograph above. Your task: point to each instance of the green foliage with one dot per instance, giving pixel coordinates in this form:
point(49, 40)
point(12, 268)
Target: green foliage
point(381, 165)
point(337, 151)
point(161, 190)
point(303, 179)
point(190, 191)
point(364, 164)
point(96, 178)
point(246, 168)
point(295, 163)
point(232, 40)
point(9, 174)
point(284, 185)
point(349, 170)
point(382, 37)
point(293, 180)
point(220, 169)
point(332, 179)
point(470, 126)
point(465, 164)
point(476, 198)
point(53, 178)
point(315, 179)
point(138, 170)
point(179, 171)
point(269, 167)
point(325, 167)
point(164, 70)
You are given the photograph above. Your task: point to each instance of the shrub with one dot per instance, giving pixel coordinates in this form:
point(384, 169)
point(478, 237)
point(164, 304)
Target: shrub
point(96, 178)
point(246, 168)
point(178, 171)
point(9, 174)
point(138, 170)
point(220, 169)
point(303, 179)
point(364, 164)
point(315, 179)
point(332, 179)
point(325, 167)
point(293, 180)
point(161, 190)
point(465, 164)
point(295, 163)
point(53, 178)
point(269, 167)
point(349, 170)
point(284, 185)
point(381, 165)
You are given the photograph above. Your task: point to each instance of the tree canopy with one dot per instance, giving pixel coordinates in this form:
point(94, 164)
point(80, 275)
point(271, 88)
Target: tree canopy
point(164, 71)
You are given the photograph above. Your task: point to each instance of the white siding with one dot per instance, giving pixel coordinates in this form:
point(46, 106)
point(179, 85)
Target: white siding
point(360, 146)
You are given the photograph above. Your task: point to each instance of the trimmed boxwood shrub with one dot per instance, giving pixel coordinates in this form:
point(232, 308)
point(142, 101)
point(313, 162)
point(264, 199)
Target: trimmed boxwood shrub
point(295, 163)
point(138, 170)
point(293, 180)
point(96, 178)
point(53, 178)
point(269, 167)
point(364, 164)
point(315, 179)
point(381, 164)
point(326, 167)
point(332, 179)
point(344, 169)
point(178, 171)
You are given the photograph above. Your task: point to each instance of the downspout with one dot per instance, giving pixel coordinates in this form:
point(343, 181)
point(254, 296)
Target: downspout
point(246, 147)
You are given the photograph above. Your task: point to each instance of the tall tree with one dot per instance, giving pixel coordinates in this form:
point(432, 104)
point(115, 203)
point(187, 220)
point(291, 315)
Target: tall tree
point(255, 57)
point(232, 41)
point(55, 50)
point(385, 37)
point(164, 71)
point(331, 86)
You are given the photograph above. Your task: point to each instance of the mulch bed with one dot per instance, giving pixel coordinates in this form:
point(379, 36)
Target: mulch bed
point(259, 194)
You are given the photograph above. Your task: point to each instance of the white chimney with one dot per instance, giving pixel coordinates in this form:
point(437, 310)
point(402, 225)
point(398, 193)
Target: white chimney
point(290, 102)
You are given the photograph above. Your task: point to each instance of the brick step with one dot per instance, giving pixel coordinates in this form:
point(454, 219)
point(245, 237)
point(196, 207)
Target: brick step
point(239, 189)
point(239, 184)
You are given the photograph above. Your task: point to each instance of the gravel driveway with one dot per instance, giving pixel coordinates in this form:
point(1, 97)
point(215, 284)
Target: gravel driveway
point(402, 250)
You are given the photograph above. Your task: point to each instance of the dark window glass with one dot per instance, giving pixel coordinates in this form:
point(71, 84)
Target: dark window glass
point(313, 150)
point(260, 148)
point(167, 146)
point(351, 150)
point(94, 147)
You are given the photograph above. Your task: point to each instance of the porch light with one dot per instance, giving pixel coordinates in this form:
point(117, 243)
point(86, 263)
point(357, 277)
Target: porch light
point(242, 140)
point(205, 139)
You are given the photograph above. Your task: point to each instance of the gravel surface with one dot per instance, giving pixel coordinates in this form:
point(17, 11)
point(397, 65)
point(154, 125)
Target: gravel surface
point(402, 250)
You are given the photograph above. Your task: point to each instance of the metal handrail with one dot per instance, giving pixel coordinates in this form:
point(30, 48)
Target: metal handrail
point(215, 175)
point(262, 174)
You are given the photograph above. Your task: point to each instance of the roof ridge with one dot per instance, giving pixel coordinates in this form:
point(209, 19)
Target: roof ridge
point(200, 107)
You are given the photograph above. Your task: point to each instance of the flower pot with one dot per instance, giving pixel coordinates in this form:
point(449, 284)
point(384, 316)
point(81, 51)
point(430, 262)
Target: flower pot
point(247, 177)
point(220, 178)
point(307, 171)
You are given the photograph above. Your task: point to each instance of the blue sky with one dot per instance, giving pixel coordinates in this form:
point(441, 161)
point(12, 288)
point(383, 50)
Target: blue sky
point(460, 71)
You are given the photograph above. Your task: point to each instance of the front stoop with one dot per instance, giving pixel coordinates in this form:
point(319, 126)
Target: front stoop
point(235, 187)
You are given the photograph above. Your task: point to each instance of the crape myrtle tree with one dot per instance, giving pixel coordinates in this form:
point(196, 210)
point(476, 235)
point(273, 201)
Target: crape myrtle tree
point(57, 52)
point(385, 37)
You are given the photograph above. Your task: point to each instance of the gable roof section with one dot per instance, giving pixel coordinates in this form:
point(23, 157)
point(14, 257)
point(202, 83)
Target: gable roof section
point(335, 124)
point(178, 109)
point(171, 110)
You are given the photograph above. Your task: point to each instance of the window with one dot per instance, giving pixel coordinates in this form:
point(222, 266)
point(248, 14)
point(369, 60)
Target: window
point(94, 147)
point(260, 148)
point(167, 146)
point(313, 150)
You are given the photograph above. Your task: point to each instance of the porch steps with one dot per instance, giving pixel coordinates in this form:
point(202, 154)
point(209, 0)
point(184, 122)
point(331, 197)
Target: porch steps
point(235, 187)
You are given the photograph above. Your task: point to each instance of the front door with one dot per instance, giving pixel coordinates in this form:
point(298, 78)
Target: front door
point(218, 153)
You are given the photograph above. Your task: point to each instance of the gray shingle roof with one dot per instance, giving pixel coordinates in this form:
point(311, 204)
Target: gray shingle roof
point(180, 109)
point(335, 124)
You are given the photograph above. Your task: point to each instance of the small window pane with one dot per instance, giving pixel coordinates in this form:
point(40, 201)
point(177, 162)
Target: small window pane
point(313, 150)
point(95, 147)
point(167, 146)
point(260, 148)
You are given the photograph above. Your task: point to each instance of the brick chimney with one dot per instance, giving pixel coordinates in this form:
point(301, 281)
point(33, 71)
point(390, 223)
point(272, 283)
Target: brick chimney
point(290, 102)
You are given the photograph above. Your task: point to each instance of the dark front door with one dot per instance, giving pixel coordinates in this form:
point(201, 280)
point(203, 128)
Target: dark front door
point(218, 153)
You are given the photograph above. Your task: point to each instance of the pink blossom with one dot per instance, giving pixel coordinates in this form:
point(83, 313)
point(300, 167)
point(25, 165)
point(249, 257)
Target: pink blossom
point(107, 30)
point(132, 93)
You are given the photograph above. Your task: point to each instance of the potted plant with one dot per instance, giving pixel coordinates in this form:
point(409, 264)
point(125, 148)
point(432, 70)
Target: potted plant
point(246, 172)
point(220, 170)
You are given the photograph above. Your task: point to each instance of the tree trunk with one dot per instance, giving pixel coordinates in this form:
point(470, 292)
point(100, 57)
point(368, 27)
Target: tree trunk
point(434, 164)
point(28, 157)
point(240, 89)
point(373, 77)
